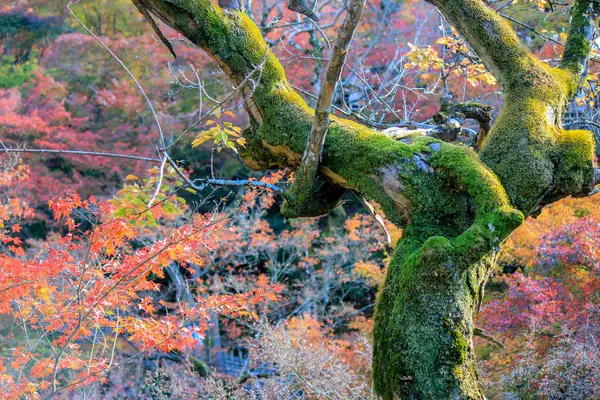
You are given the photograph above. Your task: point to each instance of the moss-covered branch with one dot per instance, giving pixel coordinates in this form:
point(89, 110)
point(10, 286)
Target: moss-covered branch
point(392, 173)
point(583, 22)
point(536, 160)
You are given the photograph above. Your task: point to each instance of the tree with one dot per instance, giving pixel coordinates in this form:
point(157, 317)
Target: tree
point(456, 206)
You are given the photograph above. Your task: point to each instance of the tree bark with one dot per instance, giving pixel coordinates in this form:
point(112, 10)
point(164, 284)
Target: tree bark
point(303, 191)
point(457, 206)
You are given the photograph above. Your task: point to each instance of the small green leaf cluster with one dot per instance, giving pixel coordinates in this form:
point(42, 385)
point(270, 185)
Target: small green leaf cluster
point(223, 133)
point(132, 201)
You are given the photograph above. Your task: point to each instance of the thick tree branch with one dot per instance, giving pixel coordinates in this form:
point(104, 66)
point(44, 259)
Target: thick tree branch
point(302, 190)
point(536, 160)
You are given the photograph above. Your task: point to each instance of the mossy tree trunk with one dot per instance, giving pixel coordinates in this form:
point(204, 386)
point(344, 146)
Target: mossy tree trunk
point(456, 206)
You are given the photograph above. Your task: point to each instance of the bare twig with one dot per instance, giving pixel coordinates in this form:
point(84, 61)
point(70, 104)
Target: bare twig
point(81, 153)
point(480, 332)
point(219, 104)
point(222, 182)
point(161, 175)
point(377, 217)
point(240, 182)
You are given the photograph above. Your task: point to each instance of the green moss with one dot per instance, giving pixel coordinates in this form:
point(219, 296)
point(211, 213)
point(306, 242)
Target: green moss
point(423, 317)
point(435, 279)
point(422, 337)
point(286, 125)
point(575, 151)
point(461, 165)
point(435, 250)
point(522, 146)
point(579, 45)
point(459, 346)
point(421, 346)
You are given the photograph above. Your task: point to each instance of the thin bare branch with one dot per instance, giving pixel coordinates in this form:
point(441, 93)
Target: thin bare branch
point(201, 183)
point(80, 153)
point(161, 175)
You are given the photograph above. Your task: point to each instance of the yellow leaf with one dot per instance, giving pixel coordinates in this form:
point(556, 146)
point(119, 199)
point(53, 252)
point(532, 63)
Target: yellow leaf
point(197, 142)
point(445, 40)
point(229, 113)
point(43, 293)
point(131, 177)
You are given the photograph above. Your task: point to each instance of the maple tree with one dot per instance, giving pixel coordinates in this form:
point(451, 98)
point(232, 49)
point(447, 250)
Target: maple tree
point(86, 280)
point(164, 280)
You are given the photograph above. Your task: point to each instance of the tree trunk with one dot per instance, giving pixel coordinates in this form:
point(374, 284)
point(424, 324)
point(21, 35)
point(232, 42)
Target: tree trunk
point(424, 331)
point(457, 207)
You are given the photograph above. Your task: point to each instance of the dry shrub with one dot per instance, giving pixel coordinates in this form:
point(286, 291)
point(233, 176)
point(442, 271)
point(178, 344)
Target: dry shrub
point(302, 360)
point(569, 370)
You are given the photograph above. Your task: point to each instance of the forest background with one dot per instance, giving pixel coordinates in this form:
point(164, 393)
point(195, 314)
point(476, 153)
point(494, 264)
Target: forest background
point(118, 281)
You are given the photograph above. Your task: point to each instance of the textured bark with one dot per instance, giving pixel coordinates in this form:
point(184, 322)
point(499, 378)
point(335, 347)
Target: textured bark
point(456, 206)
point(584, 19)
point(481, 113)
point(303, 191)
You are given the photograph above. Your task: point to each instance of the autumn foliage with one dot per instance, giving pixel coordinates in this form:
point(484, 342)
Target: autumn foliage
point(120, 280)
